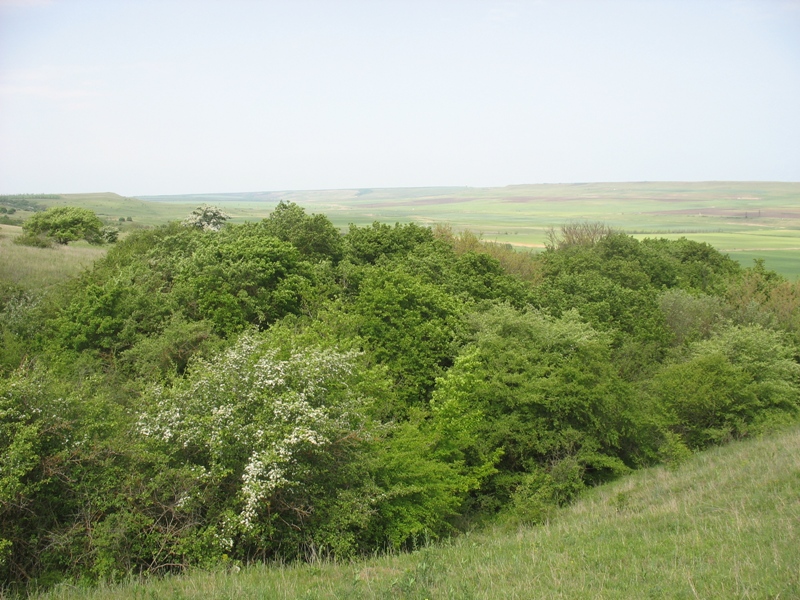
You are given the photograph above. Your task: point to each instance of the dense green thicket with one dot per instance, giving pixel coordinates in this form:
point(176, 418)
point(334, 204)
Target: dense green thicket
point(278, 390)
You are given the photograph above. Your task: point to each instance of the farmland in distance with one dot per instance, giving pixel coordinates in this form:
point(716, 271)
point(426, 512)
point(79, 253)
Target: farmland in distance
point(748, 220)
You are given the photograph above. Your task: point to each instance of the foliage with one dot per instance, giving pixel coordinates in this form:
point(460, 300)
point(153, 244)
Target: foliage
point(280, 434)
point(6, 220)
point(242, 276)
point(545, 390)
point(724, 521)
point(209, 396)
point(762, 297)
point(577, 233)
point(206, 218)
point(518, 263)
point(698, 265)
point(64, 224)
point(732, 383)
point(366, 245)
point(409, 325)
point(541, 491)
point(24, 201)
point(313, 235)
point(690, 317)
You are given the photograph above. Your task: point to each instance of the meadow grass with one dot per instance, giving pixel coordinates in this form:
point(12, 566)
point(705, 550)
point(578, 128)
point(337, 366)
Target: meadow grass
point(726, 524)
point(40, 268)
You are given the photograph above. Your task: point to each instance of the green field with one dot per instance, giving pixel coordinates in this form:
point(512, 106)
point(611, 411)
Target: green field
point(40, 268)
point(747, 219)
point(724, 525)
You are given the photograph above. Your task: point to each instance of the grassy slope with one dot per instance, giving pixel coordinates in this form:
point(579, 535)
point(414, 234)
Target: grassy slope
point(724, 525)
point(39, 268)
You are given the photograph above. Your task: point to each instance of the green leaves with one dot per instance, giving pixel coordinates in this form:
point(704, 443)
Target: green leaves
point(65, 224)
point(242, 276)
point(539, 388)
point(733, 383)
point(409, 325)
point(276, 390)
point(314, 236)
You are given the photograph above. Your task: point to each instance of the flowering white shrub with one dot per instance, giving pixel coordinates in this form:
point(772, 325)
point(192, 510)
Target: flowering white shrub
point(208, 218)
point(260, 420)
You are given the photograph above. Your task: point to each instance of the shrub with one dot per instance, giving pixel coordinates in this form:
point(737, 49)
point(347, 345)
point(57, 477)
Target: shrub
point(36, 241)
point(206, 218)
point(65, 224)
point(545, 390)
point(741, 379)
point(242, 276)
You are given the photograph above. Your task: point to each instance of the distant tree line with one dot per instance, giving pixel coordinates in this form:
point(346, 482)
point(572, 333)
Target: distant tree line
point(25, 201)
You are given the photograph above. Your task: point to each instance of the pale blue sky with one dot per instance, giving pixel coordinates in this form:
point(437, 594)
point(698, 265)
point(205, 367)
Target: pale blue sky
point(166, 97)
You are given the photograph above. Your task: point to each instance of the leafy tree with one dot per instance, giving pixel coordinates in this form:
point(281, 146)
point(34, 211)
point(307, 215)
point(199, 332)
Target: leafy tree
point(366, 245)
point(65, 224)
point(313, 235)
point(207, 218)
point(546, 389)
point(696, 265)
point(283, 439)
point(242, 276)
point(763, 297)
point(690, 317)
point(471, 276)
point(409, 325)
point(739, 380)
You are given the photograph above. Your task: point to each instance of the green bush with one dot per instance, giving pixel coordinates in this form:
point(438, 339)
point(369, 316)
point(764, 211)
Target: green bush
point(35, 241)
point(65, 224)
point(545, 390)
point(741, 379)
point(409, 325)
point(242, 276)
point(541, 491)
point(313, 235)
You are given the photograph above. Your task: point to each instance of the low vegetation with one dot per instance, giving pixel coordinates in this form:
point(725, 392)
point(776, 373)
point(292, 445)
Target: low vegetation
point(722, 525)
point(230, 394)
point(65, 224)
point(34, 269)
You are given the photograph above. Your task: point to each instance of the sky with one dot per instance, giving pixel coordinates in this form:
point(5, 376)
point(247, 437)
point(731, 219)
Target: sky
point(170, 97)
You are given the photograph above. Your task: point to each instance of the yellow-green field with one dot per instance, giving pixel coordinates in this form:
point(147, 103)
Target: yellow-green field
point(747, 219)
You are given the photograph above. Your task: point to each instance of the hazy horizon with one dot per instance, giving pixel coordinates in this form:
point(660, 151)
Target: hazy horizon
point(174, 97)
